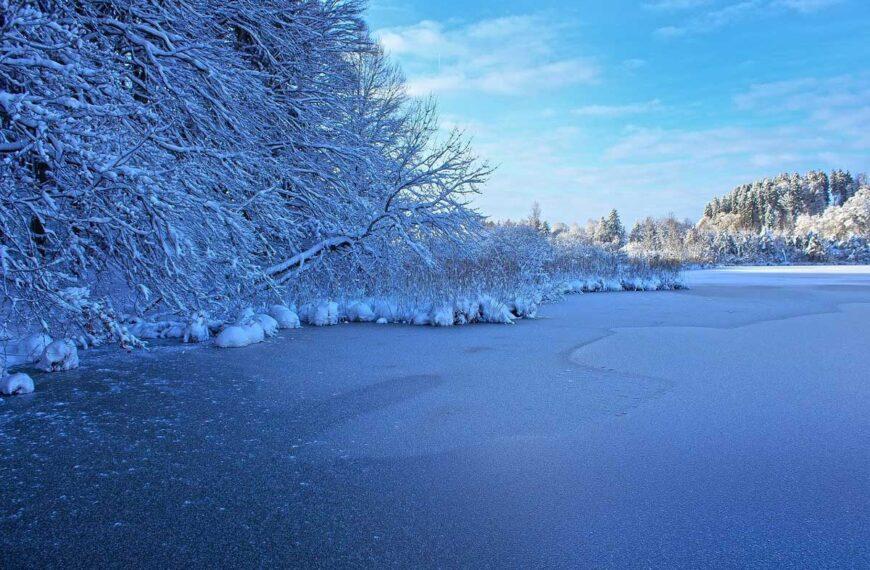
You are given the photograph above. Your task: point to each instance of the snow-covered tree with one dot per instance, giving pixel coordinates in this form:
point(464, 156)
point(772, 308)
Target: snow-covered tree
point(191, 155)
point(610, 230)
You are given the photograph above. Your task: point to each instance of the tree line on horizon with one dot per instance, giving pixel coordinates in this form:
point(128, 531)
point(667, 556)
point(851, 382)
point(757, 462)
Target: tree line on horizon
point(791, 218)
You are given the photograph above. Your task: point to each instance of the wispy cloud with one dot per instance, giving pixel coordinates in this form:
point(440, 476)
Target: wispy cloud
point(667, 5)
point(788, 125)
point(512, 55)
point(816, 115)
point(723, 15)
point(807, 6)
point(837, 104)
point(614, 111)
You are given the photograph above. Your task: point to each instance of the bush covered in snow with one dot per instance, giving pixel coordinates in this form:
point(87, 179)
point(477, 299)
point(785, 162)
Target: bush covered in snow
point(197, 329)
point(13, 384)
point(285, 317)
point(238, 336)
point(58, 356)
point(267, 323)
point(27, 350)
point(505, 273)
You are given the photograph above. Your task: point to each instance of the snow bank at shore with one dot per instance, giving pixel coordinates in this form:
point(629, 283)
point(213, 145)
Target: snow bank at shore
point(253, 326)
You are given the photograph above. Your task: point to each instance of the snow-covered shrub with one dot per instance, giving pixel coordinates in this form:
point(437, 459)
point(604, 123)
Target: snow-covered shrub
point(58, 356)
point(494, 311)
point(385, 309)
point(524, 307)
point(359, 311)
point(197, 329)
point(14, 384)
point(237, 336)
point(245, 316)
point(145, 330)
point(284, 316)
point(267, 323)
point(174, 329)
point(321, 314)
point(421, 317)
point(26, 351)
point(443, 315)
point(467, 310)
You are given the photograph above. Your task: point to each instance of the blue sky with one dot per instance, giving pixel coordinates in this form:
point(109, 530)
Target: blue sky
point(649, 106)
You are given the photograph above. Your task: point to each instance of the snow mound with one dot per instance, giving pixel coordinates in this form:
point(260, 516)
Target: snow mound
point(420, 317)
point(359, 311)
point(386, 309)
point(286, 318)
point(524, 307)
point(467, 311)
point(270, 325)
point(197, 329)
point(237, 336)
point(58, 356)
point(26, 351)
point(320, 314)
point(16, 384)
point(493, 311)
point(443, 316)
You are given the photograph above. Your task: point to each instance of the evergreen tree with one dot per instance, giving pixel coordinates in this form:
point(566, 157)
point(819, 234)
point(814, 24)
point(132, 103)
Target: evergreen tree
point(842, 187)
point(611, 231)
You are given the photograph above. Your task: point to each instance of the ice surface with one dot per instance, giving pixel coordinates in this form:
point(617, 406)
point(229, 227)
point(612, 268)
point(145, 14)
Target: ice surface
point(720, 426)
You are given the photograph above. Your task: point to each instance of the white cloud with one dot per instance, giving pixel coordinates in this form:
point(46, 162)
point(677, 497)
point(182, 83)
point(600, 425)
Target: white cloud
point(806, 6)
point(808, 123)
point(633, 64)
point(675, 4)
point(424, 39)
point(614, 111)
point(507, 56)
point(731, 12)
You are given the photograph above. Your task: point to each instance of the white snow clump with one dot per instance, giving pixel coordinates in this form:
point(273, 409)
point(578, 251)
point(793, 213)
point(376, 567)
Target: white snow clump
point(58, 356)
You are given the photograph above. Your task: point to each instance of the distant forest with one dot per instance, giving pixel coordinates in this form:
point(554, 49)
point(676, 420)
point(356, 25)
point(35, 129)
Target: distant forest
point(775, 204)
point(791, 218)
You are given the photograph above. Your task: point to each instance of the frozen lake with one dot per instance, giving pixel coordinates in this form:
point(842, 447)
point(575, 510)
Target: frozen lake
point(726, 425)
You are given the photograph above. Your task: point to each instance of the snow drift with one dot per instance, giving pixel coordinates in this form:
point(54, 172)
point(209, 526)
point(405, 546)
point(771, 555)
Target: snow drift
point(237, 336)
point(16, 384)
